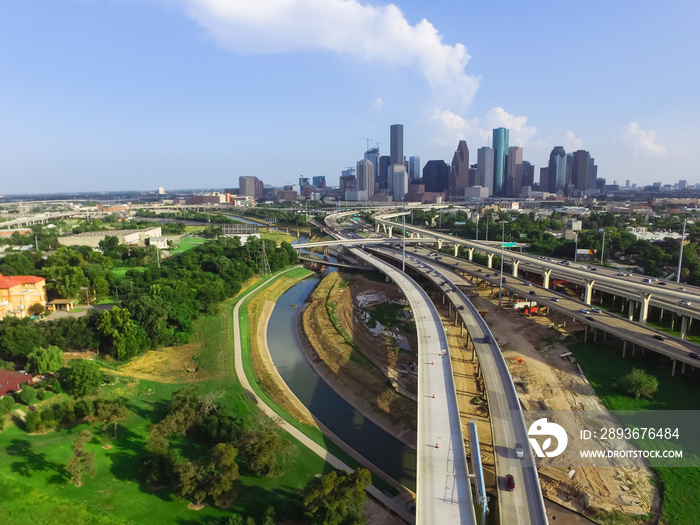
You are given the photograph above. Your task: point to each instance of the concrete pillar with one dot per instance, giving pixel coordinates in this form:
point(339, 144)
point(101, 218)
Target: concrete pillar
point(489, 263)
point(545, 278)
point(630, 312)
point(595, 335)
point(456, 316)
point(461, 332)
point(456, 250)
point(585, 334)
point(624, 348)
point(515, 268)
point(684, 326)
point(376, 228)
point(673, 370)
point(673, 321)
point(683, 367)
point(661, 315)
point(634, 347)
point(471, 253)
point(391, 229)
point(440, 241)
point(644, 310)
point(589, 289)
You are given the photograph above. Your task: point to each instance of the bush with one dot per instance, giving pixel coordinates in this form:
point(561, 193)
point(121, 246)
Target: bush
point(32, 421)
point(27, 395)
point(53, 384)
point(6, 405)
point(639, 384)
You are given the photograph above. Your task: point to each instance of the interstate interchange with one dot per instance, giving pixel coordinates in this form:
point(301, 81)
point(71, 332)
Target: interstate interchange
point(442, 497)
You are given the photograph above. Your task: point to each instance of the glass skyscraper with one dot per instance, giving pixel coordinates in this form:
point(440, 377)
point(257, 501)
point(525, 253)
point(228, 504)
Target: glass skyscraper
point(500, 148)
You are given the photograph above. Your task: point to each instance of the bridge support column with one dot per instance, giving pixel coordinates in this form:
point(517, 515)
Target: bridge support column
point(449, 308)
point(644, 310)
point(630, 311)
point(624, 348)
point(456, 250)
point(673, 369)
point(439, 244)
point(515, 268)
point(595, 335)
point(461, 332)
point(585, 334)
point(661, 315)
point(489, 264)
point(684, 326)
point(456, 316)
point(673, 320)
point(545, 278)
point(589, 290)
point(471, 253)
point(376, 228)
point(391, 229)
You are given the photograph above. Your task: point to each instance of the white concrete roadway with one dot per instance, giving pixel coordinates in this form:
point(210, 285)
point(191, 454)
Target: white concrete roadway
point(443, 494)
point(296, 433)
point(525, 504)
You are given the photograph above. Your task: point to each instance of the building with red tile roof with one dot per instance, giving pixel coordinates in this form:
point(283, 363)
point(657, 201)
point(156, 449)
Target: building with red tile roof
point(18, 293)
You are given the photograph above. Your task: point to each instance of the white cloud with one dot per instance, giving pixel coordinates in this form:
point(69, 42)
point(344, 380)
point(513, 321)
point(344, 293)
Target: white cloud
point(643, 143)
point(378, 104)
point(571, 141)
point(520, 134)
point(451, 127)
point(347, 27)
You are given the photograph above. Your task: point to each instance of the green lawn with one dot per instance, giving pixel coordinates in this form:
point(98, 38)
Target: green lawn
point(187, 243)
point(121, 271)
point(604, 366)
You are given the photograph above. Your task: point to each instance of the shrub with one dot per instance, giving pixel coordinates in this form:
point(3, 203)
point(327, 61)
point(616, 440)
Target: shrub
point(27, 395)
point(6, 404)
point(639, 384)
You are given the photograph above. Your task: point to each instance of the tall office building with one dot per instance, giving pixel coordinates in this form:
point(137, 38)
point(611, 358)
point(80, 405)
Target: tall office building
point(436, 176)
point(500, 150)
point(365, 176)
point(544, 179)
point(459, 174)
point(319, 181)
point(398, 176)
point(250, 186)
point(583, 171)
point(485, 161)
point(396, 146)
point(303, 181)
point(515, 170)
point(557, 170)
point(383, 176)
point(528, 175)
point(414, 168)
point(373, 156)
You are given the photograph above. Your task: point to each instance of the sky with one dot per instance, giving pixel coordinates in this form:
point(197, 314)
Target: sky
point(107, 95)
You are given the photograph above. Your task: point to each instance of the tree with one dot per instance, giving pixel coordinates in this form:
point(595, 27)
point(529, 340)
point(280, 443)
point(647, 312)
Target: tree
point(122, 338)
point(266, 450)
point(338, 497)
point(83, 378)
point(82, 462)
point(110, 412)
point(223, 473)
point(42, 360)
point(27, 395)
point(191, 482)
point(639, 384)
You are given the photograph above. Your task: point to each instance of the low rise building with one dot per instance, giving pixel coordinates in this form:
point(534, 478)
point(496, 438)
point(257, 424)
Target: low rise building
point(124, 236)
point(18, 293)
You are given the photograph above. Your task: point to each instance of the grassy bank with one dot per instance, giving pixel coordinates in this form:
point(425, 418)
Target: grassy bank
point(604, 367)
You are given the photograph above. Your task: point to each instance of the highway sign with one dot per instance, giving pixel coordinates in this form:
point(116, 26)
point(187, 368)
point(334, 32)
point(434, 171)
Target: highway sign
point(509, 244)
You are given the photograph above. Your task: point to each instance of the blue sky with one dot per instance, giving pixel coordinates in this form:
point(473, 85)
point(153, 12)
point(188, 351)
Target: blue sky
point(136, 94)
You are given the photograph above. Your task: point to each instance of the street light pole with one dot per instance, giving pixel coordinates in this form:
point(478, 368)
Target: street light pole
point(500, 282)
point(576, 249)
point(602, 251)
point(403, 254)
point(680, 256)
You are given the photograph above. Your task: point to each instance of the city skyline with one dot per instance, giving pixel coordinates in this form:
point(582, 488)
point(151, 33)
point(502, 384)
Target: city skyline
point(199, 91)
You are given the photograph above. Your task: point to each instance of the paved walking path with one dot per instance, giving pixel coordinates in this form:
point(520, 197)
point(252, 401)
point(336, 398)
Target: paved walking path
point(296, 433)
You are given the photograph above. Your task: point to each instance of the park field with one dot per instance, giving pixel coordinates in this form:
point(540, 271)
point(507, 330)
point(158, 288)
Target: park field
point(34, 487)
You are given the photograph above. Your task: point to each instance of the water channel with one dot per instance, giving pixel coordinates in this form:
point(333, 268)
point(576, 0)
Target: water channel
point(379, 447)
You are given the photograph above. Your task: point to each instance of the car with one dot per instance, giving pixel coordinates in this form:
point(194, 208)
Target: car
point(519, 451)
point(590, 318)
point(527, 283)
point(658, 337)
point(685, 303)
point(456, 264)
point(681, 289)
point(582, 267)
point(510, 482)
point(694, 355)
point(595, 310)
point(555, 299)
point(503, 280)
point(478, 269)
point(488, 275)
point(488, 339)
point(585, 311)
point(621, 273)
point(661, 283)
point(594, 269)
point(648, 281)
point(532, 292)
point(460, 307)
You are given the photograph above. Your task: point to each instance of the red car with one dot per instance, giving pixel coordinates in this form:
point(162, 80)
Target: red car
point(510, 482)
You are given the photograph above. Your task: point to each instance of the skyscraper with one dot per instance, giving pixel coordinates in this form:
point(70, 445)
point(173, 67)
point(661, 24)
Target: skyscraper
point(372, 155)
point(544, 179)
point(396, 146)
point(557, 170)
point(436, 175)
point(398, 177)
point(459, 174)
point(365, 176)
point(485, 168)
point(500, 150)
point(383, 176)
point(414, 168)
point(515, 170)
point(250, 186)
point(319, 181)
point(583, 172)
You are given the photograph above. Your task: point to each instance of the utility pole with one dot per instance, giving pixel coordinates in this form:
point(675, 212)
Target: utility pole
point(602, 251)
point(403, 254)
point(680, 256)
point(500, 282)
point(576, 249)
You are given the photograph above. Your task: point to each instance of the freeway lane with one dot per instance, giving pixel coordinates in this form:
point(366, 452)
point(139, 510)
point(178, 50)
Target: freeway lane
point(525, 505)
